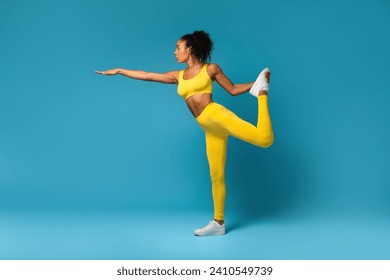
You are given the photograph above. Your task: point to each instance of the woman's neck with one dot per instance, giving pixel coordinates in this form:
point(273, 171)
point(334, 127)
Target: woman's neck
point(193, 64)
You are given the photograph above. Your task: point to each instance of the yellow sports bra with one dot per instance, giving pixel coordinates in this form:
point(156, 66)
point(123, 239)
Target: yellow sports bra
point(201, 83)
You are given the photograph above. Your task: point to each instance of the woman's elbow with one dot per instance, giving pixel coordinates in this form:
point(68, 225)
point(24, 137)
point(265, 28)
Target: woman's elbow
point(233, 91)
point(147, 76)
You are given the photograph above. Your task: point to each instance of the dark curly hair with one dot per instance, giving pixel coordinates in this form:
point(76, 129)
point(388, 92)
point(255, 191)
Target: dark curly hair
point(200, 43)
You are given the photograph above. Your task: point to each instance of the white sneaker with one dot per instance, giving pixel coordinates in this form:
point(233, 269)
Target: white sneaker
point(213, 228)
point(260, 84)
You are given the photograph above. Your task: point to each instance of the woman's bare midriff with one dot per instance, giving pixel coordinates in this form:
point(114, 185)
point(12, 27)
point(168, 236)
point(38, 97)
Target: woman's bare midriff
point(197, 102)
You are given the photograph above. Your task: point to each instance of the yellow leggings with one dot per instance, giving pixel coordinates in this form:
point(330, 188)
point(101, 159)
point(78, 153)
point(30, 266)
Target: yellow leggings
point(218, 123)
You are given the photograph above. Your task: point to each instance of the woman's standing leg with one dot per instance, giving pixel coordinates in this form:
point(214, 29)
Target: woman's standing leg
point(216, 156)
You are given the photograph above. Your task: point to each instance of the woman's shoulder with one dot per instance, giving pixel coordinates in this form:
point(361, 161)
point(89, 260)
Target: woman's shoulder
point(212, 66)
point(213, 69)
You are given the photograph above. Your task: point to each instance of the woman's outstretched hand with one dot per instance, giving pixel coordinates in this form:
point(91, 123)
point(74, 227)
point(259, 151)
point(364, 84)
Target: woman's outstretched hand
point(108, 72)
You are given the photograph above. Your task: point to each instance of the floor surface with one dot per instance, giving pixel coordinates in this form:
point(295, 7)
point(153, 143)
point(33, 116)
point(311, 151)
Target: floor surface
point(168, 235)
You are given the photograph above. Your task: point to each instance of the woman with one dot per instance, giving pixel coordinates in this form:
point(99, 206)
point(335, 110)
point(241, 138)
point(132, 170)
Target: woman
point(195, 86)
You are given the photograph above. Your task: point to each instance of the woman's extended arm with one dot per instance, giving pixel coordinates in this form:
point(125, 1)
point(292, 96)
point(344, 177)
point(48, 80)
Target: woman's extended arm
point(234, 89)
point(166, 78)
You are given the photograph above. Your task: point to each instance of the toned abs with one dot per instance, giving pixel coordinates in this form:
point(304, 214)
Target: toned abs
point(196, 103)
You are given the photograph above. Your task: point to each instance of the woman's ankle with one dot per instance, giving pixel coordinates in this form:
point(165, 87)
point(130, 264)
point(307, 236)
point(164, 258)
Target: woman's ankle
point(263, 92)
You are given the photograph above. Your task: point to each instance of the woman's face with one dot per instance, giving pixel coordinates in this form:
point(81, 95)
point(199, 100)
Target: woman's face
point(182, 53)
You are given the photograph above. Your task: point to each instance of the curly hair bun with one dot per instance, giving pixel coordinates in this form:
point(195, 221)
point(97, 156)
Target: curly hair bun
point(200, 43)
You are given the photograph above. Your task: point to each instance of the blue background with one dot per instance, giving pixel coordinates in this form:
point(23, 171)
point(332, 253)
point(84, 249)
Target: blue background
point(96, 167)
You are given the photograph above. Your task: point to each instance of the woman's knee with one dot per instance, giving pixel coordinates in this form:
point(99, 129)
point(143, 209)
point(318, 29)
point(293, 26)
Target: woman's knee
point(217, 177)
